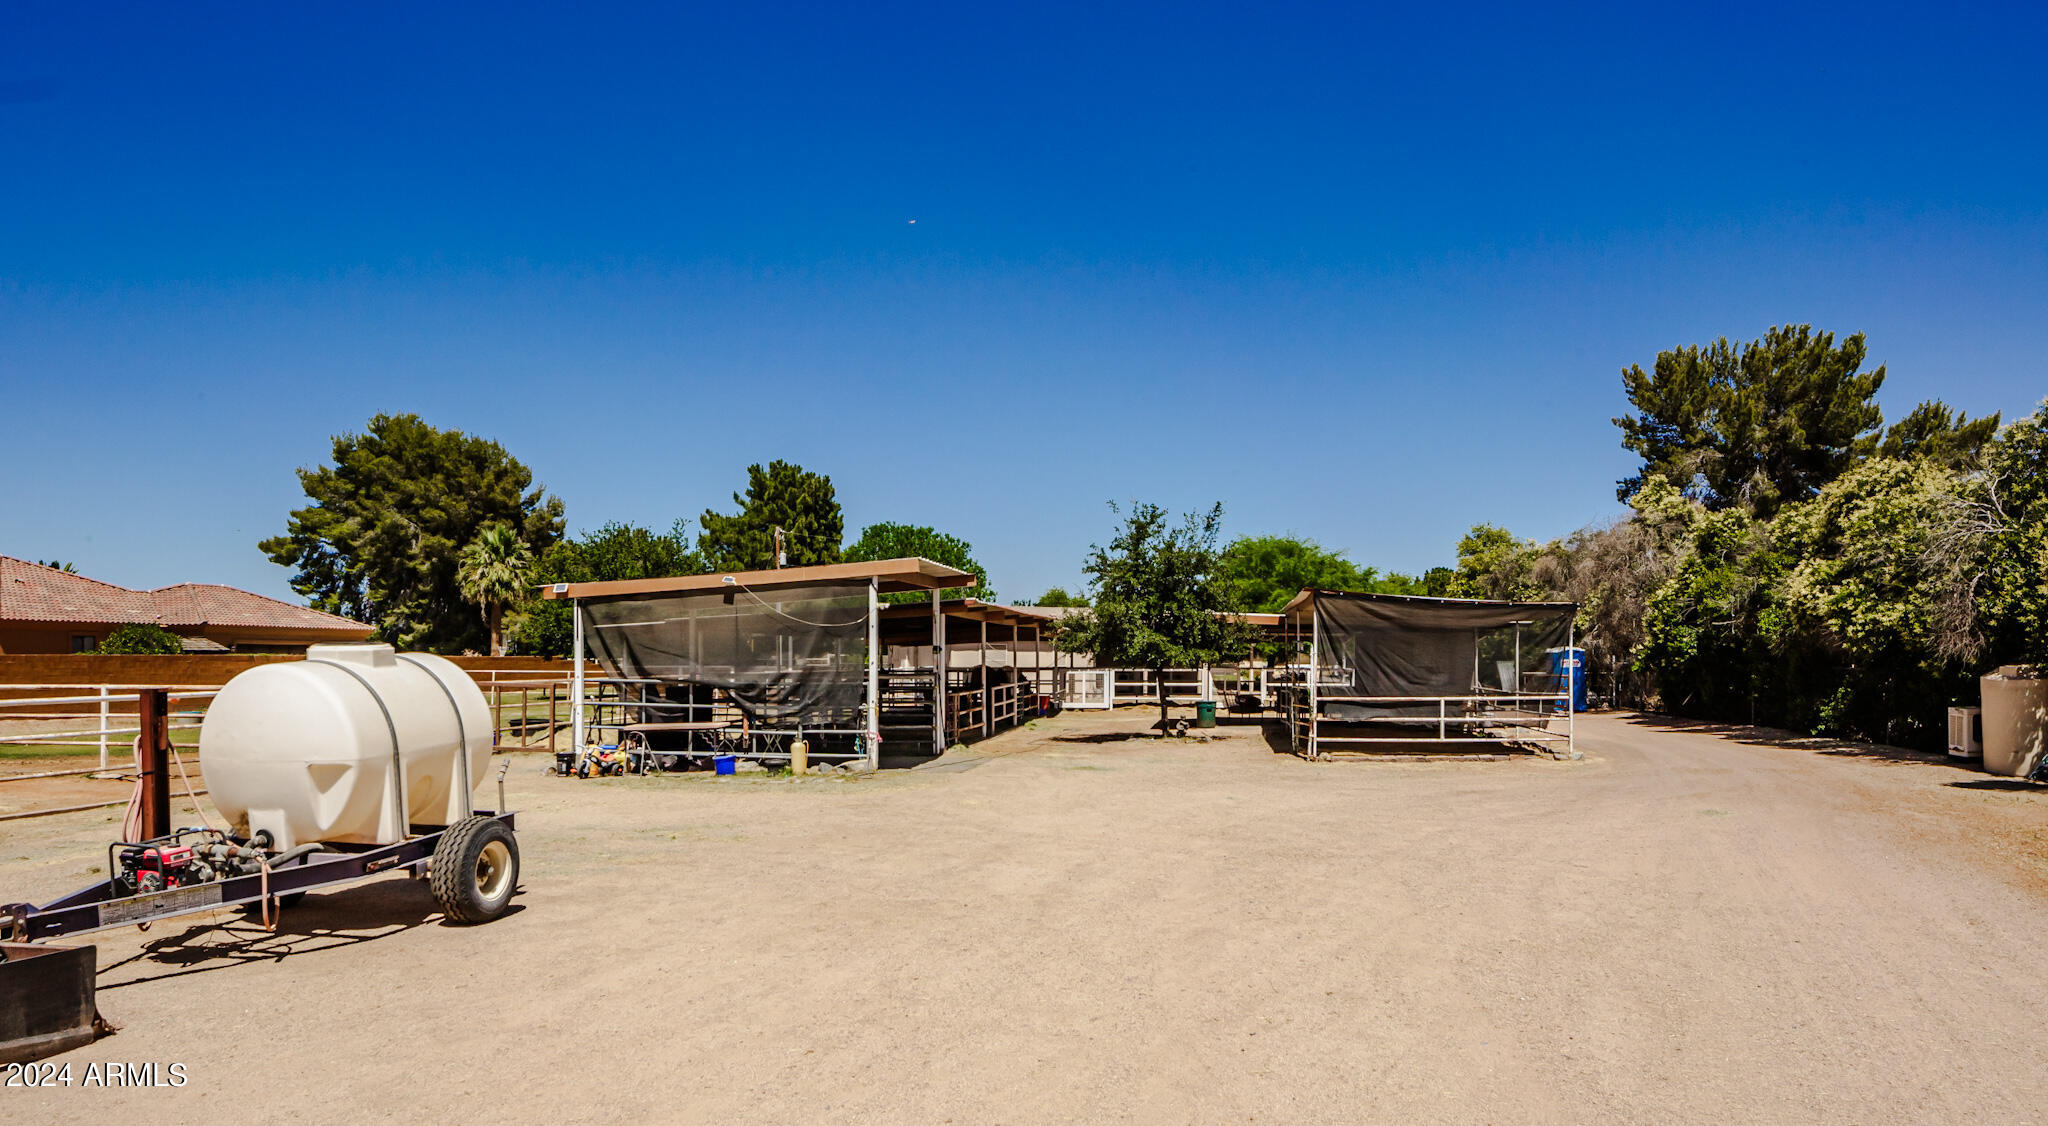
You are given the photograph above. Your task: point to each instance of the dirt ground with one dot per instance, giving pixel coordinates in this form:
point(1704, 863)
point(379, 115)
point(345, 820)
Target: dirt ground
point(1690, 925)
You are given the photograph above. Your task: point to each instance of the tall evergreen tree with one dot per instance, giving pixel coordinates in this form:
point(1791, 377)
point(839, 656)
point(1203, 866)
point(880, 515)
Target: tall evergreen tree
point(1936, 433)
point(1760, 426)
point(380, 540)
point(803, 504)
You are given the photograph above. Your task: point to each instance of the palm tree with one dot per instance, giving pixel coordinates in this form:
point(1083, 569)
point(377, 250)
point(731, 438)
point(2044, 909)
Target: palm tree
point(494, 570)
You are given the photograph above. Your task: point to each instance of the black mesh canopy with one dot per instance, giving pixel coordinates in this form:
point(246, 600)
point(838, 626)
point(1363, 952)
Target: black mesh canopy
point(1384, 645)
point(786, 657)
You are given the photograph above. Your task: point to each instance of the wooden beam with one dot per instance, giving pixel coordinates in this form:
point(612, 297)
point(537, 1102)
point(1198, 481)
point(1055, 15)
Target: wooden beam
point(889, 575)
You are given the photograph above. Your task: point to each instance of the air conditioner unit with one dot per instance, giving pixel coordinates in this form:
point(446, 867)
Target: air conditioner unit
point(1966, 732)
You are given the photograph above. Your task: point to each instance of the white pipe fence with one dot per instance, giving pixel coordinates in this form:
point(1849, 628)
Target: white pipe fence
point(16, 711)
point(536, 709)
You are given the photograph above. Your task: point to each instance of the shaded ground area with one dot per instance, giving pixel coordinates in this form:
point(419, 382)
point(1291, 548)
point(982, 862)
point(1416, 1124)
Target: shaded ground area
point(1689, 925)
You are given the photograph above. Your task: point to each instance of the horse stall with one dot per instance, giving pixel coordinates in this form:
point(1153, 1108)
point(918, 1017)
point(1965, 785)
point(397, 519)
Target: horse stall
point(995, 661)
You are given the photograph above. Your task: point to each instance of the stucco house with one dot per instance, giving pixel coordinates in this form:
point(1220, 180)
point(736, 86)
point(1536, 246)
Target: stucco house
point(44, 610)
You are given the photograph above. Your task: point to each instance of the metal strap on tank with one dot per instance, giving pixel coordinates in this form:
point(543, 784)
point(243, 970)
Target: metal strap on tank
point(461, 733)
point(397, 753)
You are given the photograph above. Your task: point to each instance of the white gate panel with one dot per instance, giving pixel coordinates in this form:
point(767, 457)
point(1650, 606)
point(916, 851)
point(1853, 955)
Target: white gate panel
point(1087, 688)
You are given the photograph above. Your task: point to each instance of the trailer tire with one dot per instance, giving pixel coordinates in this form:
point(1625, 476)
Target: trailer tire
point(475, 870)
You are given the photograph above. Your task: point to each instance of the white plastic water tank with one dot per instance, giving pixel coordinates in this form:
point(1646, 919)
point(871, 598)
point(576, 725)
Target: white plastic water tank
point(306, 749)
point(2015, 700)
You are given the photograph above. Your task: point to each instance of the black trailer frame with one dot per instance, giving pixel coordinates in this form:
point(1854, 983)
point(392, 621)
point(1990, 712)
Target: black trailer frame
point(99, 908)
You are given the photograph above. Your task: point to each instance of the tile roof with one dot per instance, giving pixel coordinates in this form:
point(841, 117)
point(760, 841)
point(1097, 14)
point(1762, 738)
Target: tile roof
point(33, 593)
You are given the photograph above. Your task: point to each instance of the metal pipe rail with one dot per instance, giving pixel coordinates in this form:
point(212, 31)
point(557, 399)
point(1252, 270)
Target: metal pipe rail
point(1488, 697)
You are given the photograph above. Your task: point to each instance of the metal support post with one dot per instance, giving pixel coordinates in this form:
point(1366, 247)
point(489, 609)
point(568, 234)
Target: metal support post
point(874, 675)
point(577, 720)
point(1315, 674)
point(939, 700)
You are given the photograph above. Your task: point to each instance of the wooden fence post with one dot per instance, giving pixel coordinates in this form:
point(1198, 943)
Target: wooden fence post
point(152, 714)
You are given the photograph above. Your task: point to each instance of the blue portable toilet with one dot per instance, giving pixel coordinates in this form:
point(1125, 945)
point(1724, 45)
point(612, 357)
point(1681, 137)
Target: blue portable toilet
point(1571, 663)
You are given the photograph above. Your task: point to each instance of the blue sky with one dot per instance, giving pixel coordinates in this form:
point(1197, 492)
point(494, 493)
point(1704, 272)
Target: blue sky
point(1363, 274)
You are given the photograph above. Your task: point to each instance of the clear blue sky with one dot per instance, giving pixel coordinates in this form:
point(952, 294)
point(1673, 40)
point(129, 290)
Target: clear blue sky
point(1362, 274)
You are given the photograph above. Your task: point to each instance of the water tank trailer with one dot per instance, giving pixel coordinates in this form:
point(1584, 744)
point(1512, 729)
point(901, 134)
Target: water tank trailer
point(353, 762)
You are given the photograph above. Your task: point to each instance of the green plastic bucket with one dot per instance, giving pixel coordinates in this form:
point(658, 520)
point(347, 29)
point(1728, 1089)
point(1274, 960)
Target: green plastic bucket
point(1205, 713)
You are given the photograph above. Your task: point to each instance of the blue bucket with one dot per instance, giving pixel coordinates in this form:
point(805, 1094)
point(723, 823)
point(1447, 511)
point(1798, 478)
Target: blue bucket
point(723, 764)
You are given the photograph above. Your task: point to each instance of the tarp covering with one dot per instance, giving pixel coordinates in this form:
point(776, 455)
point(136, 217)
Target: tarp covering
point(792, 656)
point(1393, 645)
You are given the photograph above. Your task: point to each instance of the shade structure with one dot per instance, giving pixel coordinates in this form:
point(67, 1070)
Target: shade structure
point(1386, 646)
point(742, 661)
point(1438, 669)
point(786, 655)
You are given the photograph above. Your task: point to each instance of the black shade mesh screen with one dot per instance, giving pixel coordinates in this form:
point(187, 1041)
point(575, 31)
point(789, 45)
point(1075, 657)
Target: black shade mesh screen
point(1387, 645)
point(786, 657)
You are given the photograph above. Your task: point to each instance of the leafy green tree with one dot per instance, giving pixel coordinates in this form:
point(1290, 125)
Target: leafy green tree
point(380, 540)
point(1261, 573)
point(1935, 432)
point(143, 638)
point(1704, 649)
point(904, 541)
point(617, 551)
point(1158, 601)
point(803, 504)
point(1058, 596)
point(1494, 563)
point(493, 570)
point(2009, 519)
point(1611, 572)
point(1394, 582)
point(1762, 425)
point(1863, 596)
point(54, 565)
point(1438, 582)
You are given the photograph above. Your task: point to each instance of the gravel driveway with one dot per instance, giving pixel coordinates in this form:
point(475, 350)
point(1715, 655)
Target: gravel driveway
point(1690, 925)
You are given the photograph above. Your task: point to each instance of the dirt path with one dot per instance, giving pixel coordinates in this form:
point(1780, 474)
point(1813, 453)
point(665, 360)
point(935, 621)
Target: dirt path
point(1683, 927)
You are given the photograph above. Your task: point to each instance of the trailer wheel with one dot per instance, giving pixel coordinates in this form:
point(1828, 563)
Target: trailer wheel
point(476, 870)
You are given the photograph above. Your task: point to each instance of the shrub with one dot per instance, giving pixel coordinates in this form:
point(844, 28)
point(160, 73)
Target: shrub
point(143, 639)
